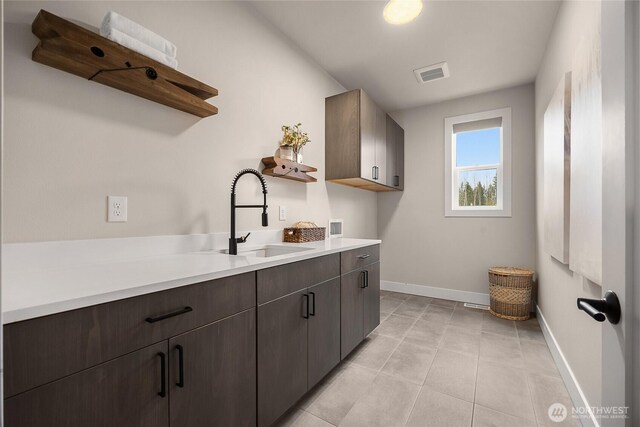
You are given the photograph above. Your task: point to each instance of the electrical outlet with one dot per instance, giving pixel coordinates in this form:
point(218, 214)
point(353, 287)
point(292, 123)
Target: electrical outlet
point(283, 213)
point(117, 209)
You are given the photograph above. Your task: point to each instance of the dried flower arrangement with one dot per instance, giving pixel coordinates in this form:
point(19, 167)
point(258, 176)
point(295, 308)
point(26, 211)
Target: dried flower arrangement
point(294, 137)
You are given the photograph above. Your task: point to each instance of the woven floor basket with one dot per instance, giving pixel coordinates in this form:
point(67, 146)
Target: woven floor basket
point(510, 292)
point(301, 235)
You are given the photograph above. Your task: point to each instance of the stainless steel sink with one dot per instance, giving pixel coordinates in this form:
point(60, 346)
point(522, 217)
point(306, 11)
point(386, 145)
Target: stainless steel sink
point(268, 251)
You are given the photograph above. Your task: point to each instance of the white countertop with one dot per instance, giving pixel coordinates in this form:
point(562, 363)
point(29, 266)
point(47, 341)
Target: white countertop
point(29, 292)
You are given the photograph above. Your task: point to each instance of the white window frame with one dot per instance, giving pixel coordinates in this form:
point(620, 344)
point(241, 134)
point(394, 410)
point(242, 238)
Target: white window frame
point(451, 187)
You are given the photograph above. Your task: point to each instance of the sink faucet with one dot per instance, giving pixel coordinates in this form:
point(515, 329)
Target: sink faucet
point(233, 241)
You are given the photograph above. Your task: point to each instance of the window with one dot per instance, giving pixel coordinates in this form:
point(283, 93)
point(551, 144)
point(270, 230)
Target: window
point(478, 164)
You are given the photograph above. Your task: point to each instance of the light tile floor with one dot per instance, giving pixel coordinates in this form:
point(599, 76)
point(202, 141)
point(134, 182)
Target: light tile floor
point(436, 363)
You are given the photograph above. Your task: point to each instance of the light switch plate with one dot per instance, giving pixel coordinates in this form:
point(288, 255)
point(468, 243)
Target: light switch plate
point(117, 209)
point(283, 213)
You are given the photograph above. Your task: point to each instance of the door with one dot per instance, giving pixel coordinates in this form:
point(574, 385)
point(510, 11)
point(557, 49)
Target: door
point(282, 355)
point(351, 311)
point(127, 391)
point(324, 330)
point(381, 146)
point(619, 127)
point(371, 294)
point(368, 136)
point(213, 374)
point(395, 154)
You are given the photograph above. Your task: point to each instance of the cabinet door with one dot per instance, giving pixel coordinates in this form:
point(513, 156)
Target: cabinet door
point(282, 355)
point(213, 374)
point(368, 136)
point(324, 330)
point(121, 392)
point(400, 157)
point(395, 154)
point(381, 146)
point(392, 131)
point(372, 298)
point(351, 311)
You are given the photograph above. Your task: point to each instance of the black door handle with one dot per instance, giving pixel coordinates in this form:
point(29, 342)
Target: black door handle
point(366, 276)
point(168, 315)
point(163, 375)
point(363, 275)
point(601, 309)
point(306, 309)
point(180, 382)
point(313, 303)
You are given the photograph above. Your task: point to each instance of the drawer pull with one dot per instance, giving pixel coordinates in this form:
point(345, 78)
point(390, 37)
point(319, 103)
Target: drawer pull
point(313, 303)
point(168, 315)
point(306, 309)
point(364, 256)
point(163, 375)
point(180, 382)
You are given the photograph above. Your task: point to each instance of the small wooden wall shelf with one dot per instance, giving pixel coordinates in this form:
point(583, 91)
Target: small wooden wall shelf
point(282, 168)
point(71, 48)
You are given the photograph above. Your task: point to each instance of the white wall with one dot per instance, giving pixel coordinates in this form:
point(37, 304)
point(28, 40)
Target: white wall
point(578, 336)
point(423, 247)
point(69, 142)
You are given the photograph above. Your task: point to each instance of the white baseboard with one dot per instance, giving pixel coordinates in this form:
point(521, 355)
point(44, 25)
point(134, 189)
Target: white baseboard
point(573, 387)
point(435, 292)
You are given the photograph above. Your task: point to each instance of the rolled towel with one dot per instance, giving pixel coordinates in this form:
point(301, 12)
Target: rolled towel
point(118, 22)
point(136, 45)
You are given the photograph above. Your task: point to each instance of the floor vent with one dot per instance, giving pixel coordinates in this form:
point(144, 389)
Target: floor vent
point(478, 306)
point(432, 72)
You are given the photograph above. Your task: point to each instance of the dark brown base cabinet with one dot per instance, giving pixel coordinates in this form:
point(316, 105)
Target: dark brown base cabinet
point(359, 296)
point(121, 392)
point(298, 334)
point(238, 351)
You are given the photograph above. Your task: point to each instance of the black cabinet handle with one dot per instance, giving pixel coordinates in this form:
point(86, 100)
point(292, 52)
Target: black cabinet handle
point(168, 315)
point(180, 382)
point(306, 309)
point(163, 375)
point(601, 309)
point(313, 304)
point(363, 276)
point(396, 180)
point(366, 276)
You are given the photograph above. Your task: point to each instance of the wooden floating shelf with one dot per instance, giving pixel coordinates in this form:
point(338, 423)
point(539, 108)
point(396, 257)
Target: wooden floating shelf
point(71, 48)
point(282, 168)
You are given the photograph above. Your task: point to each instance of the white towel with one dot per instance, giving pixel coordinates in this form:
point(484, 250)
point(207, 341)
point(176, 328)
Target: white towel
point(118, 22)
point(136, 45)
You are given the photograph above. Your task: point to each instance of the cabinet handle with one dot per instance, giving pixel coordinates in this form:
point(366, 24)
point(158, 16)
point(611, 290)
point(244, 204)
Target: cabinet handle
point(366, 276)
point(163, 375)
point(313, 303)
point(396, 180)
point(180, 382)
point(363, 274)
point(306, 310)
point(363, 256)
point(168, 315)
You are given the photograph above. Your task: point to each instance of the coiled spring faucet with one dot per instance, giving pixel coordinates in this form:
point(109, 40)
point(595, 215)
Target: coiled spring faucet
point(233, 241)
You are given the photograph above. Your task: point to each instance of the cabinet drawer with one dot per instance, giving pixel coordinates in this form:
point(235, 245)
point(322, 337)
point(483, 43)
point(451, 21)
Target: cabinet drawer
point(48, 348)
point(358, 258)
point(285, 279)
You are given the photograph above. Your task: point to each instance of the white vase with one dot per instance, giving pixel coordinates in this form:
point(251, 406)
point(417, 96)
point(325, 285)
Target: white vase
point(299, 155)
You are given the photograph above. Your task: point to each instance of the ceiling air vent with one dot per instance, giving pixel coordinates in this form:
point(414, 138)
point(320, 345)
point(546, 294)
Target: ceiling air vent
point(432, 72)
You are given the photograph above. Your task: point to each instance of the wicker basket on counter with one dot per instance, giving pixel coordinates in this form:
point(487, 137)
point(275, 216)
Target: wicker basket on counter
point(302, 232)
point(510, 292)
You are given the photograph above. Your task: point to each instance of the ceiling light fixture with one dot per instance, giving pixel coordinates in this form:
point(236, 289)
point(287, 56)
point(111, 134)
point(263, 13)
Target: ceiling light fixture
point(398, 12)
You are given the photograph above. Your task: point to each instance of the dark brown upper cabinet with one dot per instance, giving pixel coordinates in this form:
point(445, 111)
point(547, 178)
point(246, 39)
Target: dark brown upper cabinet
point(358, 149)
